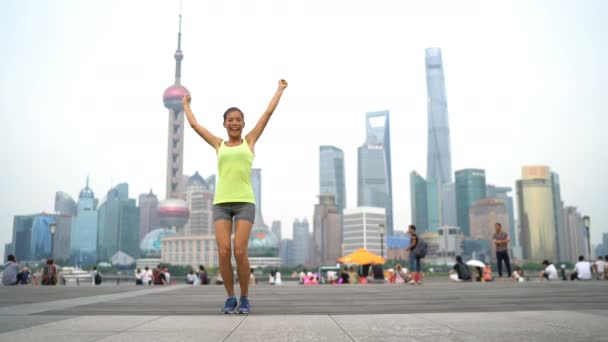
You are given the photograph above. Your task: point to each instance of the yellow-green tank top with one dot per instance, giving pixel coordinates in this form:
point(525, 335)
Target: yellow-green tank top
point(234, 174)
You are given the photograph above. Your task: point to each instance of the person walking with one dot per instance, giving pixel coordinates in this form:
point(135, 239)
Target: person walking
point(234, 201)
point(501, 241)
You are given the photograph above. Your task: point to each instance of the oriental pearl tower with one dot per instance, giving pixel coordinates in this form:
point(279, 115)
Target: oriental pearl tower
point(173, 212)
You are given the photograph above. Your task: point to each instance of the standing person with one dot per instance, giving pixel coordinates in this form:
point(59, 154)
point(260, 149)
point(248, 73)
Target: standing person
point(202, 275)
point(600, 268)
point(501, 240)
point(550, 272)
point(414, 260)
point(156, 275)
point(251, 278)
point(146, 277)
point(11, 269)
point(139, 277)
point(582, 270)
point(234, 201)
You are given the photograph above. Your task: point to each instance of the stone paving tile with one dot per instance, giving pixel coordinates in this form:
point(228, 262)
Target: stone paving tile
point(219, 323)
point(10, 323)
point(508, 326)
point(111, 324)
point(289, 328)
point(34, 335)
point(387, 328)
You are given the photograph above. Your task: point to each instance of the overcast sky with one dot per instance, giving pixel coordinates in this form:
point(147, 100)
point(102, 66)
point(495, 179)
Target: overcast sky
point(81, 86)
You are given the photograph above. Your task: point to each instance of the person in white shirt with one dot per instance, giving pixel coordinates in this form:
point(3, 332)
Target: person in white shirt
point(582, 270)
point(600, 268)
point(138, 277)
point(167, 276)
point(549, 273)
point(146, 277)
point(191, 278)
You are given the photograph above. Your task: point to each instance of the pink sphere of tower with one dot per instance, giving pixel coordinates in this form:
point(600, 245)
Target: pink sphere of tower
point(173, 212)
point(172, 97)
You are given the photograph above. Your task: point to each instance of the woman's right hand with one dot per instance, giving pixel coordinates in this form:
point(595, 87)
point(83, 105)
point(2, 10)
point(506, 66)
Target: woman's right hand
point(186, 100)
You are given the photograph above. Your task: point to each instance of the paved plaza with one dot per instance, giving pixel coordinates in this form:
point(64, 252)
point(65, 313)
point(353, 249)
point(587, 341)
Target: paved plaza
point(435, 311)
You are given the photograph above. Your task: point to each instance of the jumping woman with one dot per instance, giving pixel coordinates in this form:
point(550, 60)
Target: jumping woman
point(234, 200)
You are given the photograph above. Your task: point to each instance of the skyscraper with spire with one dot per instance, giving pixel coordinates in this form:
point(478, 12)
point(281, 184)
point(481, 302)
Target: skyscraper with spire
point(172, 99)
point(439, 155)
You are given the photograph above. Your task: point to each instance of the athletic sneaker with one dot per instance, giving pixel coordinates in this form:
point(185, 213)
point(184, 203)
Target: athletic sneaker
point(230, 306)
point(244, 306)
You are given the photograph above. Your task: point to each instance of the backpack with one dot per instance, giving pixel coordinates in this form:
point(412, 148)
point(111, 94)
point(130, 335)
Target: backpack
point(97, 278)
point(420, 249)
point(465, 273)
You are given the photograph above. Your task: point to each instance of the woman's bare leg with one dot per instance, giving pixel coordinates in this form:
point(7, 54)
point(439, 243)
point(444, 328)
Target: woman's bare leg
point(241, 243)
point(223, 231)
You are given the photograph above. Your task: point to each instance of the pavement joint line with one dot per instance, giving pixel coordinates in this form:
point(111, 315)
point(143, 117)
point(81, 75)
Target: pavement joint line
point(445, 325)
point(235, 327)
point(341, 328)
point(129, 328)
point(62, 304)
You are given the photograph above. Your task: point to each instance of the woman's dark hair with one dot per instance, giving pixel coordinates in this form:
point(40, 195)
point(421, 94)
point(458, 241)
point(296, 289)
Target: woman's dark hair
point(458, 258)
point(546, 262)
point(412, 226)
point(201, 267)
point(233, 109)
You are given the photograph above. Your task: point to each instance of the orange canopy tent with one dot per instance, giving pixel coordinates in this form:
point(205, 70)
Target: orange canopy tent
point(361, 257)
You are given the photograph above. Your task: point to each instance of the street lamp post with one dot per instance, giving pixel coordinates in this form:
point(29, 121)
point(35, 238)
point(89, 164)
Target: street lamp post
point(52, 226)
point(381, 230)
point(587, 222)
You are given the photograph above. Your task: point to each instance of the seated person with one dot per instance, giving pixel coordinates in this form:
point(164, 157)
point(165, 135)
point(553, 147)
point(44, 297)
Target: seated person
point(479, 274)
point(549, 273)
point(377, 274)
point(487, 274)
point(518, 275)
point(460, 271)
point(582, 270)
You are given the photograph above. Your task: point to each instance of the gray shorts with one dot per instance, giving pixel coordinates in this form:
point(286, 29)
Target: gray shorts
point(237, 211)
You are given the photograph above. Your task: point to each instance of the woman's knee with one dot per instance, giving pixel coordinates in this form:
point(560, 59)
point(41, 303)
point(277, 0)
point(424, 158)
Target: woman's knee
point(240, 253)
point(223, 251)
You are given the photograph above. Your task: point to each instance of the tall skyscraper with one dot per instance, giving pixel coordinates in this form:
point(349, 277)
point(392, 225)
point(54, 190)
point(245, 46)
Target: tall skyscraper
point(301, 245)
point(256, 184)
point(287, 252)
point(327, 230)
point(276, 229)
point(427, 199)
point(470, 187)
point(172, 99)
point(483, 215)
point(561, 233)
point(374, 178)
point(535, 207)
point(118, 224)
point(64, 204)
point(331, 174)
point(418, 202)
point(439, 158)
point(83, 246)
point(361, 229)
point(32, 236)
point(148, 216)
point(200, 204)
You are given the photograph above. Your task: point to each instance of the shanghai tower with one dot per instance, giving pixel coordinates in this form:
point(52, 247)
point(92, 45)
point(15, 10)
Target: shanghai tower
point(439, 159)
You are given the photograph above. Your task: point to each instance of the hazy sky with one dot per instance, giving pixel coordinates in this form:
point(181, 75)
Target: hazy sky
point(81, 86)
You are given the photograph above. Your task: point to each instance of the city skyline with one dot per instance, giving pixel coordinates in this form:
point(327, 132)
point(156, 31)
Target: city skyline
point(69, 79)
